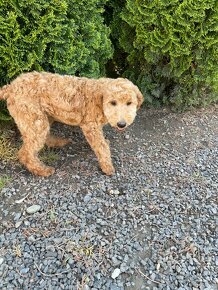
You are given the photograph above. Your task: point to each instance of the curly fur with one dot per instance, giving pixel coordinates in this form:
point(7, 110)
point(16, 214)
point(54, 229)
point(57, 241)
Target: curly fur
point(36, 99)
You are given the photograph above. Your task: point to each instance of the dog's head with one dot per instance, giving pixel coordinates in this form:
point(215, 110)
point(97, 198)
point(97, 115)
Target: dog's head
point(121, 100)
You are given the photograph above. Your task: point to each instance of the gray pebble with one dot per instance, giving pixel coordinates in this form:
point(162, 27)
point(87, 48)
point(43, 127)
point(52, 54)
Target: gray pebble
point(24, 270)
point(33, 209)
point(159, 218)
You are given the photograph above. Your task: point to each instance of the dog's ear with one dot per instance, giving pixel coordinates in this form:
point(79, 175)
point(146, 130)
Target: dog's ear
point(133, 87)
point(139, 96)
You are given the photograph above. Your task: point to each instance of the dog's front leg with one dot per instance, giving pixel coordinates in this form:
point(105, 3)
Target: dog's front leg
point(94, 135)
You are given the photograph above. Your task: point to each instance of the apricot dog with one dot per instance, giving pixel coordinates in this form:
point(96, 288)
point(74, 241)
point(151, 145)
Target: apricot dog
point(36, 99)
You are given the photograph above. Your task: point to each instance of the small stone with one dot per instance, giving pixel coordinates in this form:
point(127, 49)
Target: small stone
point(6, 224)
point(114, 287)
point(17, 216)
point(24, 270)
point(87, 198)
point(18, 224)
point(115, 261)
point(123, 267)
point(114, 192)
point(115, 273)
point(31, 238)
point(27, 223)
point(51, 254)
point(1, 260)
point(71, 261)
point(98, 276)
point(33, 209)
point(57, 240)
point(126, 258)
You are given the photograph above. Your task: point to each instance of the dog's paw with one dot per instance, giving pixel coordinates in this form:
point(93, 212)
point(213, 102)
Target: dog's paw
point(45, 171)
point(108, 170)
point(49, 171)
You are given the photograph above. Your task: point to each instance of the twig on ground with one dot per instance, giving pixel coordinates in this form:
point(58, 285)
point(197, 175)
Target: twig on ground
point(49, 275)
point(22, 199)
point(145, 276)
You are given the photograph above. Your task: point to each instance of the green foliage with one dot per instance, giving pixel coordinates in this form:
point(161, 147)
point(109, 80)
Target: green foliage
point(49, 155)
point(64, 36)
point(8, 151)
point(4, 115)
point(4, 180)
point(169, 49)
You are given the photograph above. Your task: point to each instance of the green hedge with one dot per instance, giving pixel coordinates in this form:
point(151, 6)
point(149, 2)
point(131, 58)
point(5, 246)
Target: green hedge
point(169, 48)
point(64, 36)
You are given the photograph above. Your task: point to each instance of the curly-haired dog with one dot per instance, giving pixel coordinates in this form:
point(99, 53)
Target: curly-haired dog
point(35, 100)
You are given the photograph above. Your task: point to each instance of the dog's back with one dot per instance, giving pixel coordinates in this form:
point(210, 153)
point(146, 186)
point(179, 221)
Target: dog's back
point(55, 94)
point(23, 86)
point(65, 98)
point(41, 85)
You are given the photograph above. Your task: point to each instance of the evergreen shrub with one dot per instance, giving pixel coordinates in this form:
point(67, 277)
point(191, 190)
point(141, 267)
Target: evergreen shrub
point(64, 36)
point(169, 48)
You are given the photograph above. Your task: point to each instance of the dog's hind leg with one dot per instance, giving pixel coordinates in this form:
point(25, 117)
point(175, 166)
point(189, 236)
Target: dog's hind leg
point(28, 154)
point(29, 158)
point(34, 128)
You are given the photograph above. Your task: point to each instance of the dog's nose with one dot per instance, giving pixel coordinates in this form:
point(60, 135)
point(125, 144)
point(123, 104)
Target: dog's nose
point(121, 124)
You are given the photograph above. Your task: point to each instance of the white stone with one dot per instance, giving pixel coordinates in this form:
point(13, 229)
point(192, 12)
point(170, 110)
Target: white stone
point(18, 224)
point(33, 209)
point(115, 273)
point(114, 192)
point(1, 260)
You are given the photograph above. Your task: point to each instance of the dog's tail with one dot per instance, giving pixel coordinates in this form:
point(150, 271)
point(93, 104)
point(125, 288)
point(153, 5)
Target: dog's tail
point(4, 92)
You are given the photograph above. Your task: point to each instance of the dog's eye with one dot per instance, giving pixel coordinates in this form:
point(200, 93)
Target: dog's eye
point(129, 103)
point(113, 103)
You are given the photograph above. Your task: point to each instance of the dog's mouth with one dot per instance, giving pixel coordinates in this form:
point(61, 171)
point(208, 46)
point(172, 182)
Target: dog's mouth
point(120, 129)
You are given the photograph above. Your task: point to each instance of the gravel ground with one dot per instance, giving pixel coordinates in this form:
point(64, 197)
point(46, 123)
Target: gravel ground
point(153, 225)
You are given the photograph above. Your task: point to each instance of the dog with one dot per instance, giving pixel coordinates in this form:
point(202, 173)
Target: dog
point(36, 99)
